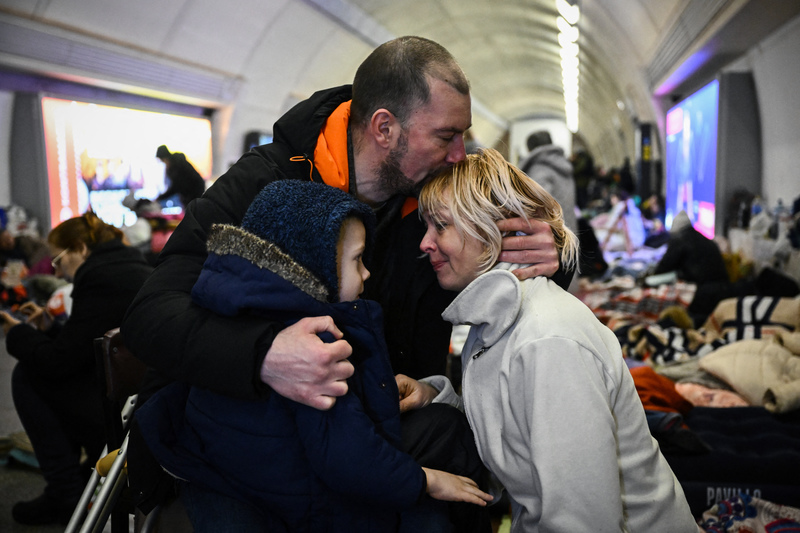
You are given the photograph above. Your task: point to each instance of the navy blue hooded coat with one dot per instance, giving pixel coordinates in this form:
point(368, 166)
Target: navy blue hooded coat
point(338, 470)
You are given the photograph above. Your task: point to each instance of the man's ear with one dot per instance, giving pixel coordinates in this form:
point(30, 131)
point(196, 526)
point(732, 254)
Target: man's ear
point(384, 128)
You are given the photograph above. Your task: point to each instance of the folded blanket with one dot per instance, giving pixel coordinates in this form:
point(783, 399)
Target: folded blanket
point(752, 317)
point(766, 372)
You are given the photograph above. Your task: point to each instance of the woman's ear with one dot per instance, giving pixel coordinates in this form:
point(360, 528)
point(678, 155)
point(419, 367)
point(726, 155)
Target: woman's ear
point(384, 128)
point(84, 250)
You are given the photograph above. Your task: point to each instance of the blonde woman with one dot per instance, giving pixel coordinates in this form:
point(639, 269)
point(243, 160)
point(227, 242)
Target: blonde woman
point(553, 406)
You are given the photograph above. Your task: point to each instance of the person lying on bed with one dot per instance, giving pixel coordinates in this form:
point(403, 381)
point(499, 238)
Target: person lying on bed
point(553, 406)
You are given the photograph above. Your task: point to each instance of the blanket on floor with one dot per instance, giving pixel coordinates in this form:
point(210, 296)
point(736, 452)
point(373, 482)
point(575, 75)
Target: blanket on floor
point(745, 514)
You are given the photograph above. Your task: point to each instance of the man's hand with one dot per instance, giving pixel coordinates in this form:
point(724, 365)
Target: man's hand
point(303, 368)
point(537, 247)
point(414, 394)
point(452, 488)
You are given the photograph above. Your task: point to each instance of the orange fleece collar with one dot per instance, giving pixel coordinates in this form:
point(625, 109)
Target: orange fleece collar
point(330, 154)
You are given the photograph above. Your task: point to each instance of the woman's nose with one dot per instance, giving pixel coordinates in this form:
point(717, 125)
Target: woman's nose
point(426, 246)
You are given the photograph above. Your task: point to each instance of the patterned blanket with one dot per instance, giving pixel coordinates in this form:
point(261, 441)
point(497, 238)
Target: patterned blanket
point(663, 342)
point(745, 514)
point(620, 300)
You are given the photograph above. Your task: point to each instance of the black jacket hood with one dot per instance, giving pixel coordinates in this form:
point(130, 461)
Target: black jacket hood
point(299, 128)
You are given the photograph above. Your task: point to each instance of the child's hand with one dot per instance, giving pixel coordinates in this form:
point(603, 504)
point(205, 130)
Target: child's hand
point(414, 394)
point(452, 488)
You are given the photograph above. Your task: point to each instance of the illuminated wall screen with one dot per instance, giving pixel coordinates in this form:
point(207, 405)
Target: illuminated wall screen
point(98, 154)
point(691, 159)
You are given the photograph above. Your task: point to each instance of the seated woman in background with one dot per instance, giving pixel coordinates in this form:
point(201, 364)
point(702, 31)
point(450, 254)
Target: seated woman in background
point(554, 409)
point(54, 384)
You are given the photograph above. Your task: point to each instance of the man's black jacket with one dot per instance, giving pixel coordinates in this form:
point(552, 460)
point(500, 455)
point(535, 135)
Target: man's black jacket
point(184, 342)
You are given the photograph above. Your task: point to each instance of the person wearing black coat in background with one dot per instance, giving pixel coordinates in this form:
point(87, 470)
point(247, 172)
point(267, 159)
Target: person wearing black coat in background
point(184, 180)
point(54, 383)
point(696, 259)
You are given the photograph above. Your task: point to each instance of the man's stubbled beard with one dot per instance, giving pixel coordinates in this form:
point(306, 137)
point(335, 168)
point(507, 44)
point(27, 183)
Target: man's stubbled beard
point(390, 177)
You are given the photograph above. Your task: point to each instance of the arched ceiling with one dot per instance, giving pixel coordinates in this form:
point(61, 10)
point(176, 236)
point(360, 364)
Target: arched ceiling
point(252, 59)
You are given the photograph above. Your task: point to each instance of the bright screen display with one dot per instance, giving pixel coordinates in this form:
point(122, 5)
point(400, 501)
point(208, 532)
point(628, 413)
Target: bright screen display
point(98, 154)
point(691, 158)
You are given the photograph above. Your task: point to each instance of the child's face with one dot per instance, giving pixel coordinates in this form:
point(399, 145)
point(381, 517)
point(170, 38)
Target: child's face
point(454, 257)
point(350, 251)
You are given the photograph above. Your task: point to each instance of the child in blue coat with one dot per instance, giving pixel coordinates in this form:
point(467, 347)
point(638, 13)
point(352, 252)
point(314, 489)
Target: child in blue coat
point(299, 253)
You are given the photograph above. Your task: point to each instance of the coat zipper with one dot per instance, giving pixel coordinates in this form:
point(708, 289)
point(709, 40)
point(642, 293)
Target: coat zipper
point(477, 354)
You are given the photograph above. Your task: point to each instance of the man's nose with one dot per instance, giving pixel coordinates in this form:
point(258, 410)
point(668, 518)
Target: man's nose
point(458, 151)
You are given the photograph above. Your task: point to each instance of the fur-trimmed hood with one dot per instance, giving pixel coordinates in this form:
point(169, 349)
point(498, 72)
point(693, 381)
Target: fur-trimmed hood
point(303, 219)
point(245, 273)
point(263, 254)
point(288, 242)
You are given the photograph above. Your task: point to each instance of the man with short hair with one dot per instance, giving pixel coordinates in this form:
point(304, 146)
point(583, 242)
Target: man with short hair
point(401, 122)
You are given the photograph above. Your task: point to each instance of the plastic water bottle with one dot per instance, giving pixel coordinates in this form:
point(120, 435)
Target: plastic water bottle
point(782, 217)
point(755, 206)
point(779, 210)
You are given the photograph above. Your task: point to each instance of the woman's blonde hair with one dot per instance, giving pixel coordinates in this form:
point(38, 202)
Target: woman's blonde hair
point(485, 188)
point(88, 229)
